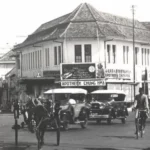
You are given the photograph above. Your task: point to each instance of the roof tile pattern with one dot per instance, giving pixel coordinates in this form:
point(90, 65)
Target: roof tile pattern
point(87, 22)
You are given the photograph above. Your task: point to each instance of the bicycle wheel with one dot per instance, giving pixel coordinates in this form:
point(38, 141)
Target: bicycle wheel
point(57, 131)
point(137, 129)
point(58, 136)
point(141, 127)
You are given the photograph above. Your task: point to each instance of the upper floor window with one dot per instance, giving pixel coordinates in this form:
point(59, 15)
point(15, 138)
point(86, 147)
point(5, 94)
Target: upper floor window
point(136, 55)
point(87, 52)
point(78, 53)
point(148, 57)
point(47, 57)
point(114, 54)
point(40, 58)
point(142, 56)
point(108, 53)
point(57, 55)
point(125, 54)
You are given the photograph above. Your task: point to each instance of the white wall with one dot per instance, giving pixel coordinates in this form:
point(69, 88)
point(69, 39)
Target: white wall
point(98, 54)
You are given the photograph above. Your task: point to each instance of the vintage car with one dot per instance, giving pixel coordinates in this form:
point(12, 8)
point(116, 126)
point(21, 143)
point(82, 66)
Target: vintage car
point(76, 113)
point(108, 105)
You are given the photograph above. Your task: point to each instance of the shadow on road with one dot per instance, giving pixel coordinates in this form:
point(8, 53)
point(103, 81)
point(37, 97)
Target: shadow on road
point(21, 145)
point(121, 137)
point(101, 149)
point(106, 124)
point(146, 148)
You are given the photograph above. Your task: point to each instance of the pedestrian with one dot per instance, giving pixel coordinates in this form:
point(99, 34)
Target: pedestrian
point(141, 103)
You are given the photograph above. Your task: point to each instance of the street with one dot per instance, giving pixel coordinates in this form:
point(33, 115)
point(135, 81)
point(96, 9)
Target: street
point(117, 136)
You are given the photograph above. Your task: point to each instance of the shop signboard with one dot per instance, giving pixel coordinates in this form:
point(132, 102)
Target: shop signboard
point(112, 73)
point(84, 83)
point(82, 71)
point(82, 74)
point(52, 73)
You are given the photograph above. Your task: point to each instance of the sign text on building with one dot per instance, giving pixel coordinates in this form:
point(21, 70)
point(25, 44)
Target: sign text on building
point(118, 73)
point(84, 83)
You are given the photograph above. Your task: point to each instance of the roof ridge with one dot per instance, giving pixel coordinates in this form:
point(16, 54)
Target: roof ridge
point(93, 17)
point(71, 13)
point(81, 5)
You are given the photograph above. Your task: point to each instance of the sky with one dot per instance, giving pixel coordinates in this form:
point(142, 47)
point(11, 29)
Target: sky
point(20, 18)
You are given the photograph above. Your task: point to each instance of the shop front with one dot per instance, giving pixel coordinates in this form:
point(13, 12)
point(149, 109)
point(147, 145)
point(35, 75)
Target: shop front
point(36, 86)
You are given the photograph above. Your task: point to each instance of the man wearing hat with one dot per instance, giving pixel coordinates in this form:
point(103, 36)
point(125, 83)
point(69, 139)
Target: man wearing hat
point(141, 103)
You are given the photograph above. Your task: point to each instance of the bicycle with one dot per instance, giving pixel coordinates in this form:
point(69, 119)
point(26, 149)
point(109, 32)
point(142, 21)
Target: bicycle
point(140, 124)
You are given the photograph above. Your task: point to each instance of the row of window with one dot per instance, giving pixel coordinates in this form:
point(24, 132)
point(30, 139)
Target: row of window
point(145, 53)
point(33, 60)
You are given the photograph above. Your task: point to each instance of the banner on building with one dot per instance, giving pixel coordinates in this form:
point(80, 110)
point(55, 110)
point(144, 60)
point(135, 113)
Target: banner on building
point(118, 73)
point(84, 83)
point(82, 74)
point(52, 73)
point(79, 71)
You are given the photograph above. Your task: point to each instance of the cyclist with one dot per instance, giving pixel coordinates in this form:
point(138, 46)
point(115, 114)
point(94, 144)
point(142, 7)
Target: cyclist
point(141, 103)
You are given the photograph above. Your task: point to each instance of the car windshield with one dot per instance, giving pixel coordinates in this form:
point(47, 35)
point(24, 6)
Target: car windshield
point(64, 97)
point(108, 97)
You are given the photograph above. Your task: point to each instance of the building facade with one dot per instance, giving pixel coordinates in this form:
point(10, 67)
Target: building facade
point(7, 63)
point(85, 35)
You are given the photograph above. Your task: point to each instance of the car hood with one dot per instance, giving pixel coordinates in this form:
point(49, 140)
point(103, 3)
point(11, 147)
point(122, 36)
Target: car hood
point(118, 104)
point(100, 105)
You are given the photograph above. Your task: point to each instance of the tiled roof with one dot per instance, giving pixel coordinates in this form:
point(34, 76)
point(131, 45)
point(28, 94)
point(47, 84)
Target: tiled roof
point(87, 22)
point(6, 57)
point(146, 24)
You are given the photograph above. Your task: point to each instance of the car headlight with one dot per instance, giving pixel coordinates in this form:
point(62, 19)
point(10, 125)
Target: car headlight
point(101, 107)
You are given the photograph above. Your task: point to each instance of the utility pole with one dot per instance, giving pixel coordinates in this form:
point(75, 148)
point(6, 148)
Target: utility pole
point(133, 12)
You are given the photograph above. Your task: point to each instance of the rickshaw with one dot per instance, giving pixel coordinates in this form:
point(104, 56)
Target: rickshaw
point(108, 105)
point(76, 113)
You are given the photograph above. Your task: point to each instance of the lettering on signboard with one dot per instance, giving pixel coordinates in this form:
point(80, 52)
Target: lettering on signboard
point(118, 73)
point(84, 83)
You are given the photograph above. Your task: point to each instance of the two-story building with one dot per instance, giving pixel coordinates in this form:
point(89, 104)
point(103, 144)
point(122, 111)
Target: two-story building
point(85, 35)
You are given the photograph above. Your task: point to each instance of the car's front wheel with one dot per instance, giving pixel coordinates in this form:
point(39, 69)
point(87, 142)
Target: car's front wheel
point(83, 124)
point(123, 120)
point(65, 123)
point(109, 121)
point(84, 121)
point(98, 121)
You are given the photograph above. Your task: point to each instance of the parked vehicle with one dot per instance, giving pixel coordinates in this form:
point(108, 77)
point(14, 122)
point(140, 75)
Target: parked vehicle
point(108, 105)
point(71, 113)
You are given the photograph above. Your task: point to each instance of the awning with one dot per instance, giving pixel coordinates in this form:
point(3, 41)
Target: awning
point(37, 80)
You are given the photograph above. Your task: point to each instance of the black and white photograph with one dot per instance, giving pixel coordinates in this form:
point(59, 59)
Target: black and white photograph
point(74, 75)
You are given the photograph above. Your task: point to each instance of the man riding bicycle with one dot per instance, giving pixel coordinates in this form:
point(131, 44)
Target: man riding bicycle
point(141, 103)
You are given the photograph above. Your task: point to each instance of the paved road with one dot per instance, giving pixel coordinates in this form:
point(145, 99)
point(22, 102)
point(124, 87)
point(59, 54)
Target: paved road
point(96, 137)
